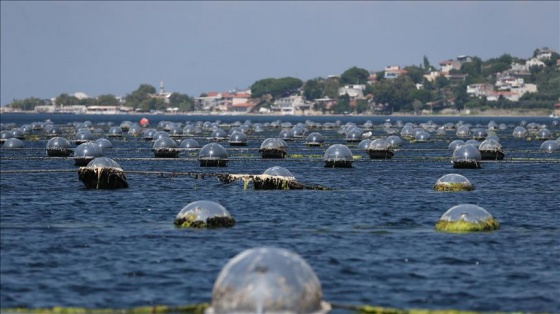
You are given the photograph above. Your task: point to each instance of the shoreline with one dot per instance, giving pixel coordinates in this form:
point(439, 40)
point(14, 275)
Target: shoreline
point(487, 113)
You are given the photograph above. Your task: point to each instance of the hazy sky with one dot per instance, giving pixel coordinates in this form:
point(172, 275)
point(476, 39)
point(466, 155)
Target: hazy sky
point(49, 47)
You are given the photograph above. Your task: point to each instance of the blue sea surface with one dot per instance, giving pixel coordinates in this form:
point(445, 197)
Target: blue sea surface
point(370, 238)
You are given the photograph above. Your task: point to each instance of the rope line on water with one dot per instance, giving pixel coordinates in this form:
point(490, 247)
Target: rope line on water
point(200, 309)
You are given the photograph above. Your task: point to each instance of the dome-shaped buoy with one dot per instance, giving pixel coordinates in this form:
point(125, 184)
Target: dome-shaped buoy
point(354, 135)
point(134, 130)
point(543, 134)
point(204, 214)
point(491, 149)
point(394, 140)
point(273, 148)
point(213, 155)
point(550, 146)
point(165, 147)
point(218, 135)
point(466, 218)
point(13, 143)
point(103, 173)
point(267, 280)
point(466, 156)
point(4, 135)
point(85, 153)
point(286, 135)
point(338, 156)
point(18, 133)
point(314, 139)
point(149, 134)
point(422, 136)
point(479, 134)
point(379, 149)
point(52, 130)
point(453, 182)
point(104, 144)
point(189, 144)
point(237, 138)
point(83, 137)
point(160, 134)
point(463, 131)
point(364, 144)
point(520, 132)
point(456, 143)
point(59, 147)
point(116, 131)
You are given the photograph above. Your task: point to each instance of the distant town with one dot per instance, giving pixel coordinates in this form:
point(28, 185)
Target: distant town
point(464, 84)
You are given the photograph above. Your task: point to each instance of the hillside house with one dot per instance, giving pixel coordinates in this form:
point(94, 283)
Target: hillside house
point(448, 65)
point(393, 71)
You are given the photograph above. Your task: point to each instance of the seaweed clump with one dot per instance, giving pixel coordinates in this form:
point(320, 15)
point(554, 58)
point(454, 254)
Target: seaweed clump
point(102, 173)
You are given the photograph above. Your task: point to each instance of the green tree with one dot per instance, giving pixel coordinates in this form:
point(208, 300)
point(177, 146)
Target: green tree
point(66, 100)
point(415, 73)
point(139, 96)
point(281, 87)
point(313, 89)
point(417, 105)
point(331, 88)
point(107, 100)
point(181, 101)
point(27, 104)
point(395, 92)
point(354, 76)
point(426, 63)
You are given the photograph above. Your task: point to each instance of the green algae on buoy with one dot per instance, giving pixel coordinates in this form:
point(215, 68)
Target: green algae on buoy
point(453, 182)
point(267, 280)
point(204, 214)
point(102, 173)
point(466, 218)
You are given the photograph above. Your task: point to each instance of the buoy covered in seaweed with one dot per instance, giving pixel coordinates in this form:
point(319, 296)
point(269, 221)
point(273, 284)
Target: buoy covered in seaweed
point(103, 173)
point(273, 148)
point(274, 178)
point(338, 156)
point(466, 156)
point(59, 147)
point(466, 218)
point(453, 182)
point(213, 155)
point(267, 280)
point(204, 214)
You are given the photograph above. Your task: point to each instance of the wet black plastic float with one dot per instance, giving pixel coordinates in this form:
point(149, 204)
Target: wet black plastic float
point(103, 173)
point(338, 156)
point(273, 148)
point(204, 214)
point(59, 147)
point(165, 147)
point(85, 153)
point(213, 155)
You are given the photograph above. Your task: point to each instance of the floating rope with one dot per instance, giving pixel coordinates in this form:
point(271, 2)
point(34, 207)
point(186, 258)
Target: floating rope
point(200, 308)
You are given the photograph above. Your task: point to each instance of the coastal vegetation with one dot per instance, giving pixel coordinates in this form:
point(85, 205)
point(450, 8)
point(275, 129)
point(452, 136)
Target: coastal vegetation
point(410, 89)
